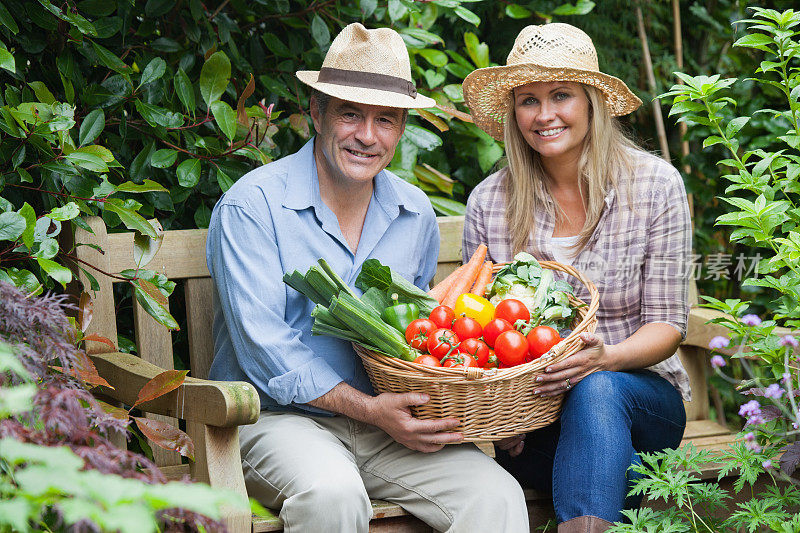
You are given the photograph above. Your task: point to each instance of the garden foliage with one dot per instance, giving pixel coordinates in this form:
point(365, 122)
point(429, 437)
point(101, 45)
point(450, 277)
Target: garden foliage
point(764, 191)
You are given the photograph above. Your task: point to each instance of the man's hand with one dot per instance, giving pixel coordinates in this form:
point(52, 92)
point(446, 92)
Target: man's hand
point(391, 413)
point(513, 445)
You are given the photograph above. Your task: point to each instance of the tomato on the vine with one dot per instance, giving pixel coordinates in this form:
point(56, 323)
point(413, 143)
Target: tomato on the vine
point(441, 342)
point(442, 316)
point(512, 310)
point(495, 328)
point(511, 348)
point(492, 361)
point(418, 331)
point(459, 360)
point(541, 339)
point(475, 348)
point(467, 328)
point(427, 360)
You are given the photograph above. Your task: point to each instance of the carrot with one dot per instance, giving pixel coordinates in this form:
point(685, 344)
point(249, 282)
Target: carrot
point(484, 277)
point(443, 287)
point(464, 282)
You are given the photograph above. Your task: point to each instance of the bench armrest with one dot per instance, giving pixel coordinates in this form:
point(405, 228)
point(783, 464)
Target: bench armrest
point(214, 403)
point(699, 332)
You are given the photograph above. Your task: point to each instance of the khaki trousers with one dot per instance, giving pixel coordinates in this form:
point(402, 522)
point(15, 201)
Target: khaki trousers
point(322, 471)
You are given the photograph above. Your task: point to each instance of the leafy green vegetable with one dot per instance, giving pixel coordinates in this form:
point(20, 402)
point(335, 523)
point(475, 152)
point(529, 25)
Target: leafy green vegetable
point(374, 274)
point(546, 298)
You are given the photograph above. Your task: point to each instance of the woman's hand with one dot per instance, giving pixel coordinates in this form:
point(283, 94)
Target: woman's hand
point(513, 445)
point(560, 377)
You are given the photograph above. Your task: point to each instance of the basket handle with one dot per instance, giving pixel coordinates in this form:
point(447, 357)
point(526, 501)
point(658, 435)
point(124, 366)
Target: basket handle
point(472, 373)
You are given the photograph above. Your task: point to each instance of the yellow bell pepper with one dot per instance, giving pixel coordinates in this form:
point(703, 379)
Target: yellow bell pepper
point(476, 307)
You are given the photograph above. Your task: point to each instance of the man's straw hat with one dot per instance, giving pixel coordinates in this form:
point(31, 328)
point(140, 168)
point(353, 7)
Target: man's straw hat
point(367, 67)
point(550, 52)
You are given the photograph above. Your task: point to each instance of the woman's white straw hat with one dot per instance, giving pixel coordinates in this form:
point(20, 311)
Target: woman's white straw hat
point(367, 67)
point(550, 52)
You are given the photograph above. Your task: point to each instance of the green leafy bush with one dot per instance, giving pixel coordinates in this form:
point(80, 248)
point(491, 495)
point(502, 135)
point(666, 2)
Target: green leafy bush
point(764, 191)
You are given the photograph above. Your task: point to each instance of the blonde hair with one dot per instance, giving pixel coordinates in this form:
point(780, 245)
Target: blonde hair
point(606, 162)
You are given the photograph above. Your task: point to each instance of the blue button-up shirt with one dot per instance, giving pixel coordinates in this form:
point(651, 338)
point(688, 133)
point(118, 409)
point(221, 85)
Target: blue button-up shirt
point(273, 221)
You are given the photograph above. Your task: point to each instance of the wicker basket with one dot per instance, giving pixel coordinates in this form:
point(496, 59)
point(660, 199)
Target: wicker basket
point(491, 404)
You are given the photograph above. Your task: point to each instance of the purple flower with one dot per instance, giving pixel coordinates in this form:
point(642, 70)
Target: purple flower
point(750, 408)
point(789, 340)
point(717, 361)
point(786, 378)
point(767, 464)
point(718, 342)
point(750, 437)
point(774, 391)
point(751, 320)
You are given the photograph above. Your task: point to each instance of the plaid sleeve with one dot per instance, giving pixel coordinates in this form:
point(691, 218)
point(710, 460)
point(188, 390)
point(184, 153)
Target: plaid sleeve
point(474, 226)
point(665, 275)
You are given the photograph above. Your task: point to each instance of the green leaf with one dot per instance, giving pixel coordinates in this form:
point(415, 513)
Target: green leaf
point(145, 186)
point(158, 116)
point(422, 138)
point(12, 225)
point(132, 220)
point(42, 92)
point(66, 212)
point(225, 117)
point(582, 7)
point(447, 206)
point(711, 141)
point(90, 162)
point(755, 40)
point(214, 77)
point(189, 173)
point(145, 247)
point(735, 125)
point(319, 31)
point(224, 181)
point(15, 512)
point(467, 15)
point(437, 58)
point(184, 90)
point(110, 60)
point(7, 60)
point(60, 273)
point(158, 8)
point(48, 249)
point(154, 309)
point(396, 10)
point(100, 151)
point(30, 224)
point(163, 158)
point(7, 20)
point(153, 71)
point(516, 11)
point(93, 124)
point(477, 51)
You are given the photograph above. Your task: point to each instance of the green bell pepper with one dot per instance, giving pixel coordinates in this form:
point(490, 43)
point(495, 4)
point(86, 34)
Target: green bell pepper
point(399, 316)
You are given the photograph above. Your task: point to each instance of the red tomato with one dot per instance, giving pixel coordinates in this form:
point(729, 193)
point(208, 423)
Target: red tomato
point(512, 310)
point(459, 360)
point(511, 347)
point(491, 362)
point(427, 360)
point(467, 328)
point(541, 339)
point(441, 342)
point(418, 331)
point(443, 316)
point(495, 328)
point(475, 348)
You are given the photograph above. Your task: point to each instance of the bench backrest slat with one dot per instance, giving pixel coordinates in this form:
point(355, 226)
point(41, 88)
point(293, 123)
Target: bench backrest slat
point(199, 317)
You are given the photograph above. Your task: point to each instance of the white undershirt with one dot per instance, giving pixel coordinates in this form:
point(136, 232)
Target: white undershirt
point(562, 248)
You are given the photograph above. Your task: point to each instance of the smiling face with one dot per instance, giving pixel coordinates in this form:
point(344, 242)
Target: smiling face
point(355, 141)
point(553, 117)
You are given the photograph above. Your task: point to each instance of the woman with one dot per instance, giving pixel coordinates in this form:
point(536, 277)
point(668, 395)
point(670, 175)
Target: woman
point(577, 191)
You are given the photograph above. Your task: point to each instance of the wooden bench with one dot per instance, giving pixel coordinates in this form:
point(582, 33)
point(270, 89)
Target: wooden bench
point(212, 410)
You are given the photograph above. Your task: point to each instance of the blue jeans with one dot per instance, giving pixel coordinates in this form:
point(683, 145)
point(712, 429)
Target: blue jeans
point(583, 458)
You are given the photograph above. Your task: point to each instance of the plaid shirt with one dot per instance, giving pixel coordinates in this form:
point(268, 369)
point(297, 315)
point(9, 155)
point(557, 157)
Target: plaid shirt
point(638, 255)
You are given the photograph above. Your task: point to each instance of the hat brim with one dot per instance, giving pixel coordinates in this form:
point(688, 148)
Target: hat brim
point(486, 91)
point(364, 95)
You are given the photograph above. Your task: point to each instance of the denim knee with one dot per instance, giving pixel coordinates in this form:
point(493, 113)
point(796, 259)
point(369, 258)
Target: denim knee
point(597, 399)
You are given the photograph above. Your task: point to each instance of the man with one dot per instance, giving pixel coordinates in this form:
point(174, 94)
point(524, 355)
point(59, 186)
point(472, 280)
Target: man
point(324, 443)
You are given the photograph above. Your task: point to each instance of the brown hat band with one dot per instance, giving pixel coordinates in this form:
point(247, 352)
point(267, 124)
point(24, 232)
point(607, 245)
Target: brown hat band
point(367, 80)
